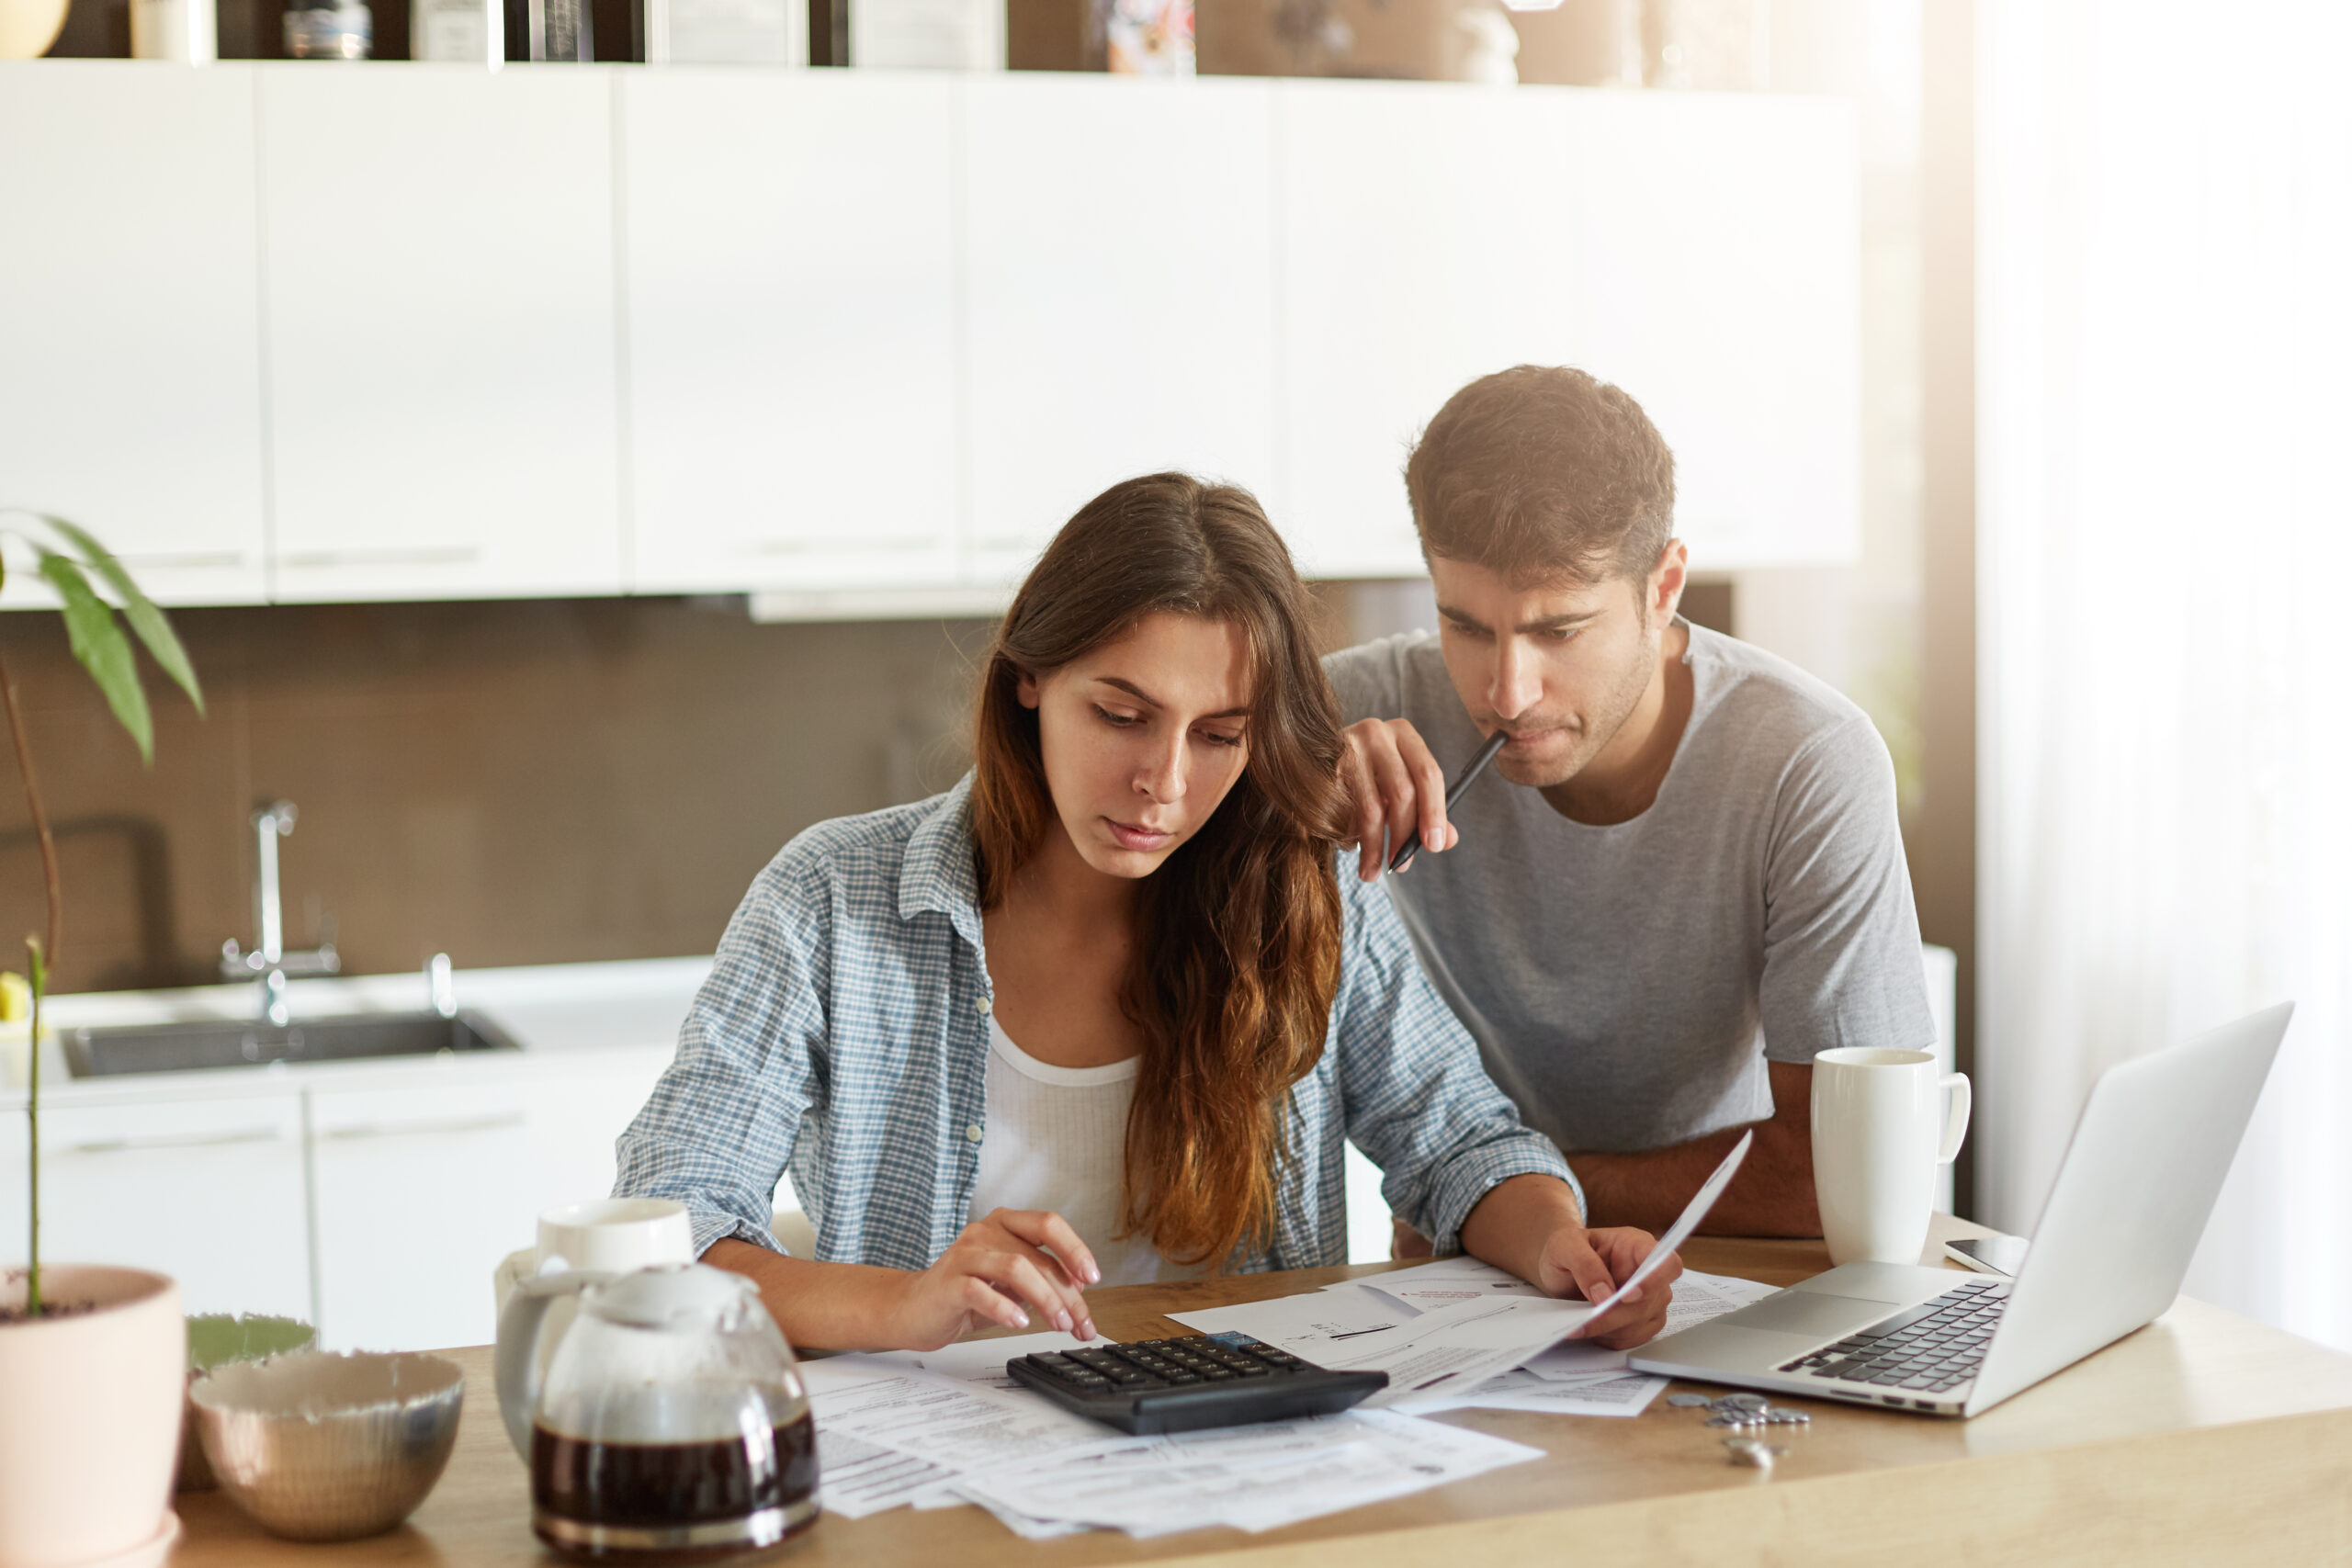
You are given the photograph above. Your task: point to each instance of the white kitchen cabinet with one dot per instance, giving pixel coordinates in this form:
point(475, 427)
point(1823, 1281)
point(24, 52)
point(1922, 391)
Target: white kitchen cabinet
point(408, 331)
point(208, 1191)
point(423, 1188)
point(1718, 254)
point(791, 288)
point(129, 346)
point(1427, 237)
point(1120, 247)
point(438, 279)
point(573, 1122)
point(416, 1191)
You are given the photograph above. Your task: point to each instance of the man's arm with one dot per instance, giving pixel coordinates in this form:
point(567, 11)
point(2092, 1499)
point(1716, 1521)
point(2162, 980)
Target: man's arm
point(1772, 1194)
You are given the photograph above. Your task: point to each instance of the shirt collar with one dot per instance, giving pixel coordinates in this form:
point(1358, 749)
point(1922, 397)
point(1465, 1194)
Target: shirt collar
point(941, 874)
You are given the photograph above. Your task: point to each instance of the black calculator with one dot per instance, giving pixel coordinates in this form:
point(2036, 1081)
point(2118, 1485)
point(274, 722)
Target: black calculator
point(1182, 1385)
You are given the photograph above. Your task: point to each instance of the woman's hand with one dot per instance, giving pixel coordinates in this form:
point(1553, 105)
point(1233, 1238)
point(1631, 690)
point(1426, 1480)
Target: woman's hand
point(1593, 1263)
point(1003, 1268)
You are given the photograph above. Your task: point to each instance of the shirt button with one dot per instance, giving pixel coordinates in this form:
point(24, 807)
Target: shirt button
point(981, 1007)
point(973, 1132)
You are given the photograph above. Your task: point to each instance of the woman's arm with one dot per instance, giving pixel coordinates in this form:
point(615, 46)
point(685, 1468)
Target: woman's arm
point(720, 1129)
point(1457, 1162)
point(1530, 1225)
point(720, 1124)
point(992, 1276)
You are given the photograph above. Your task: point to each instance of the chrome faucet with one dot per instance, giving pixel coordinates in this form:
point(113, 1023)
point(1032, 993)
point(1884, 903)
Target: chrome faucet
point(269, 961)
point(440, 981)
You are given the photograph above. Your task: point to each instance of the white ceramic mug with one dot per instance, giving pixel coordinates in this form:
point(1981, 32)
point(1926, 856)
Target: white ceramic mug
point(1880, 1130)
point(613, 1235)
point(604, 1235)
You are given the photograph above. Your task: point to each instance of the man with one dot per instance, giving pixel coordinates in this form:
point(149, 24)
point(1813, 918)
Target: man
point(1688, 877)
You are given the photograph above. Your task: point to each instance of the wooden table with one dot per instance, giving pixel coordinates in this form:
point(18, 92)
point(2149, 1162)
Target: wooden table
point(2204, 1438)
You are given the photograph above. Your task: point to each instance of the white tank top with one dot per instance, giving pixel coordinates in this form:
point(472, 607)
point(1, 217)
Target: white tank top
point(1056, 1139)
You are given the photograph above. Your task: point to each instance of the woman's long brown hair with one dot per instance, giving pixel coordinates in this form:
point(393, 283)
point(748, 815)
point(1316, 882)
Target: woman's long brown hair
point(1237, 950)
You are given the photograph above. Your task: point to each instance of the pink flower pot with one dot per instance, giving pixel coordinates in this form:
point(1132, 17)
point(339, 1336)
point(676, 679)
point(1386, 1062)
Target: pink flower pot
point(89, 1415)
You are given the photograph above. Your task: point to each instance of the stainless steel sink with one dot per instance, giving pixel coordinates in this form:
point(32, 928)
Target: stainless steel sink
point(225, 1042)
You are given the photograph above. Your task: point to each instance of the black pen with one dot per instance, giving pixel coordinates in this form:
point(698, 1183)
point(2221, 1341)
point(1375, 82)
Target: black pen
point(1412, 846)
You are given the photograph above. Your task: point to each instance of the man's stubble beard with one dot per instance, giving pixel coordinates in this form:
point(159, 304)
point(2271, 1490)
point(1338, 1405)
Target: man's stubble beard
point(1624, 696)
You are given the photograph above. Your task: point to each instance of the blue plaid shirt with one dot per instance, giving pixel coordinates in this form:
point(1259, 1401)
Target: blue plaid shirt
point(843, 1036)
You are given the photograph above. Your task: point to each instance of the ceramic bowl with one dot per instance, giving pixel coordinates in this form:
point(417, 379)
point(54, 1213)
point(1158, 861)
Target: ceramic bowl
point(214, 1339)
point(318, 1446)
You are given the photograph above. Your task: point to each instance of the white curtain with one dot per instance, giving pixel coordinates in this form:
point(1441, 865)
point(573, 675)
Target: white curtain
point(2164, 490)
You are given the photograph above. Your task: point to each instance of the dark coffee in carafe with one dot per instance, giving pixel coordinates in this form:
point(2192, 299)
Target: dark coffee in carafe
point(673, 1502)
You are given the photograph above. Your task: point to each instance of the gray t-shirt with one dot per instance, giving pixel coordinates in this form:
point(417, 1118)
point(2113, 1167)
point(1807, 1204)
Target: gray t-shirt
point(1626, 984)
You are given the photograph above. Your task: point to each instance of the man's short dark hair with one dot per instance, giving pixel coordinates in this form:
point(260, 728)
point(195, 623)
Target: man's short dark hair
point(1544, 475)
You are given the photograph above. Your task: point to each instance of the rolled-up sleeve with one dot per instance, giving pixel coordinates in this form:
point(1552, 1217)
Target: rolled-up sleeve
point(1417, 1100)
point(719, 1128)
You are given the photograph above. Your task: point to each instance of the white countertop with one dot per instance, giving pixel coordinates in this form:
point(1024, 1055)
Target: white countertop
point(554, 1012)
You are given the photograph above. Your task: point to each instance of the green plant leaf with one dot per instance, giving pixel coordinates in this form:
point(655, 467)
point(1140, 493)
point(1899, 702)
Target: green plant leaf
point(136, 608)
point(103, 652)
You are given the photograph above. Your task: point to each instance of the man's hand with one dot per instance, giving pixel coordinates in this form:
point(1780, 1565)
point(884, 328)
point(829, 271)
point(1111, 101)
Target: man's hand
point(1397, 788)
point(990, 1274)
point(1591, 1264)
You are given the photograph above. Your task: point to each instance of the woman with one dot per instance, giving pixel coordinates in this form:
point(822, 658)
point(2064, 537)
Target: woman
point(1104, 1012)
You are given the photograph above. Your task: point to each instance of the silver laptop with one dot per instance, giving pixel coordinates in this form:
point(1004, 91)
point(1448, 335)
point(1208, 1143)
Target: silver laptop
point(2124, 1216)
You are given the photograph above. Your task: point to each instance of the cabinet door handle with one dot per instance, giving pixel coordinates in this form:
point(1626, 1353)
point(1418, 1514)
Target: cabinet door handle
point(182, 560)
point(447, 555)
point(894, 543)
point(191, 1141)
point(441, 1127)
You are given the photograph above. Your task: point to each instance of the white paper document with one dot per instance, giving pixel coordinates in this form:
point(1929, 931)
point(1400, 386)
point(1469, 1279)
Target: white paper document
point(956, 1426)
point(1317, 1325)
point(981, 1361)
point(892, 1433)
point(946, 1426)
point(1610, 1393)
point(1452, 1346)
point(856, 1478)
point(1445, 1328)
point(1444, 1283)
point(1578, 1377)
point(1684, 1223)
point(1252, 1478)
point(1697, 1298)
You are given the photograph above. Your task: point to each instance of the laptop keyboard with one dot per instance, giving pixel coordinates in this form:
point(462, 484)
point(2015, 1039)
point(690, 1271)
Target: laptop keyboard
point(1927, 1348)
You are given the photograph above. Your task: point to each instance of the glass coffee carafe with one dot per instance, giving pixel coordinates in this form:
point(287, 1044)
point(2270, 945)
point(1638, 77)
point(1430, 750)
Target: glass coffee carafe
point(671, 1423)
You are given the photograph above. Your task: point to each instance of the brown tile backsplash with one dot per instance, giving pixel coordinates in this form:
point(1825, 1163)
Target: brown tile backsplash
point(511, 782)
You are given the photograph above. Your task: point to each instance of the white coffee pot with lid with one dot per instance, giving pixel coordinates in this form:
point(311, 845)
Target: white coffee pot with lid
point(672, 1417)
